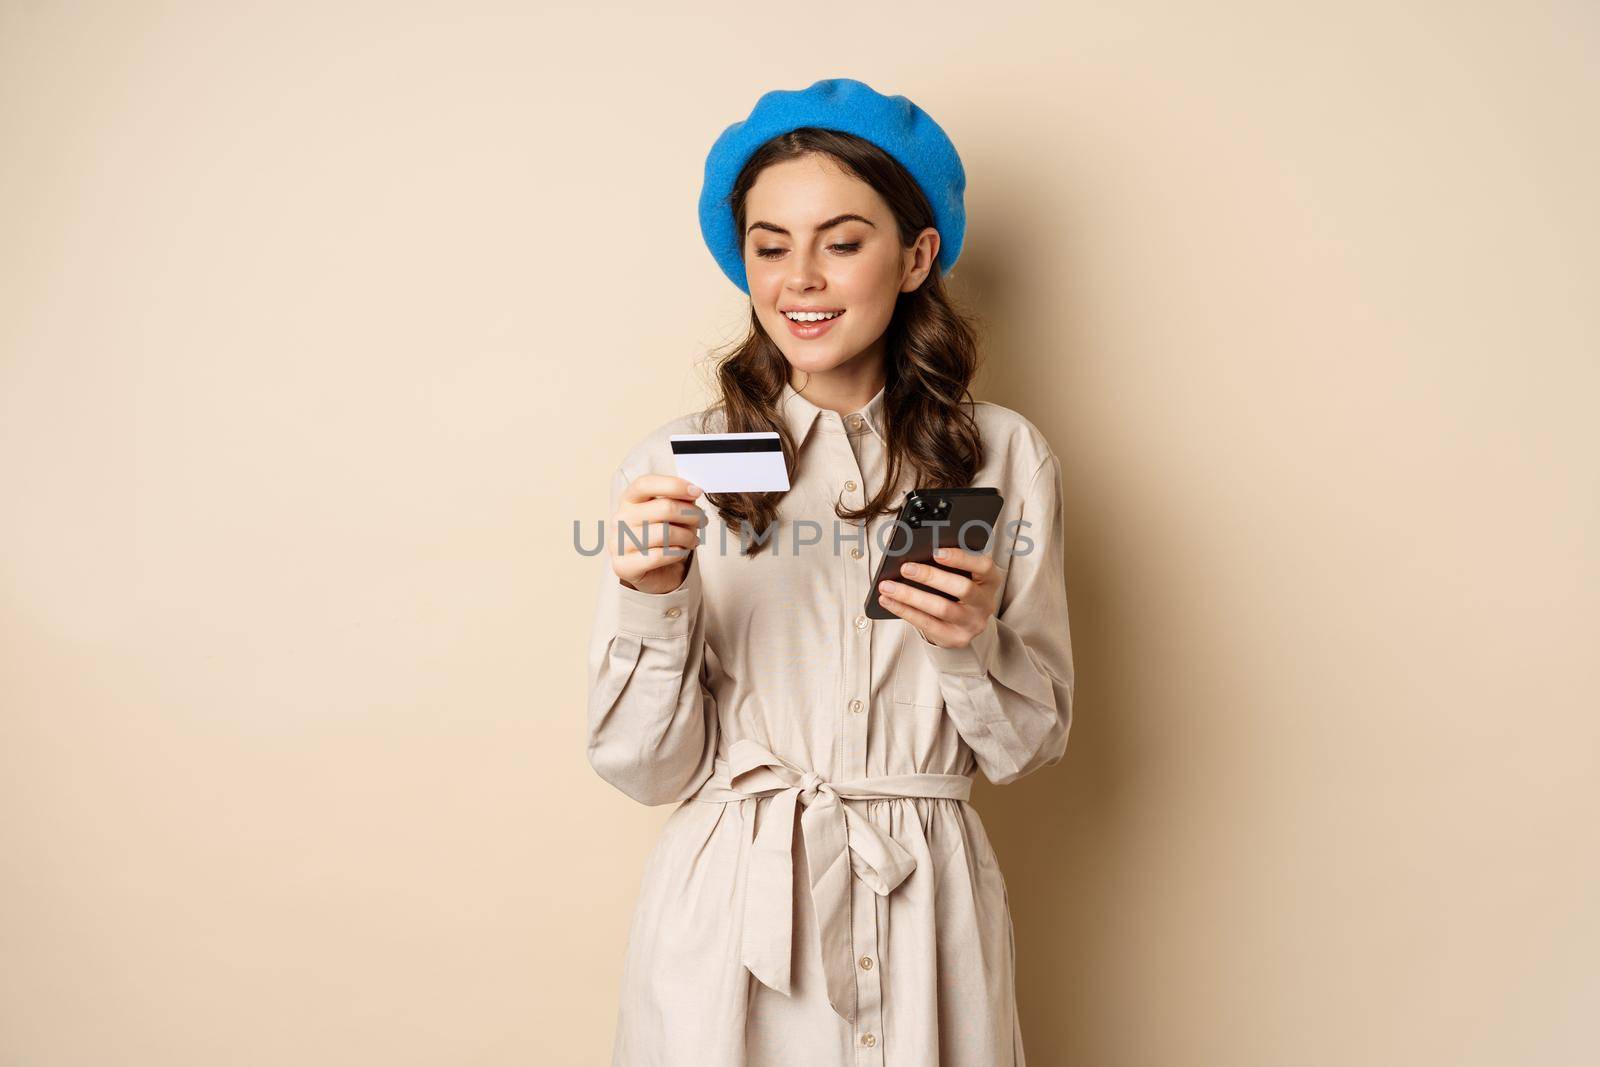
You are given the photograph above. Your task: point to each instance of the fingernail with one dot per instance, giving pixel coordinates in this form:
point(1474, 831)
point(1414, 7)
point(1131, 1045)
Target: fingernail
point(695, 489)
point(886, 587)
point(911, 568)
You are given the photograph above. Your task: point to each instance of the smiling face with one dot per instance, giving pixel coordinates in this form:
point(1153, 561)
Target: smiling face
point(816, 237)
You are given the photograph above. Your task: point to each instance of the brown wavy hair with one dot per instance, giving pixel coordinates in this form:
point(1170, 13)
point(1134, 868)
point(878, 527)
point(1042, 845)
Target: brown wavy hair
point(930, 354)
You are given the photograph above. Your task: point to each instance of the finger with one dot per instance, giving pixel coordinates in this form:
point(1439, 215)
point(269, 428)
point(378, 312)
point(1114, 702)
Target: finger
point(979, 565)
point(938, 578)
point(934, 631)
point(646, 486)
point(928, 603)
point(667, 509)
point(634, 566)
point(645, 522)
point(634, 538)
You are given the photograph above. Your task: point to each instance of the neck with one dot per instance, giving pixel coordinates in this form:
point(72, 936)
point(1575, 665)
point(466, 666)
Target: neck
point(843, 389)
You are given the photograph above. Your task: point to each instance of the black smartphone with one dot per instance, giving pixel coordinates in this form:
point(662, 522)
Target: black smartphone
point(957, 518)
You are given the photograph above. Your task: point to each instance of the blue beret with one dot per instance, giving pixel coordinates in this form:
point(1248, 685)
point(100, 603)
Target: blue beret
point(893, 123)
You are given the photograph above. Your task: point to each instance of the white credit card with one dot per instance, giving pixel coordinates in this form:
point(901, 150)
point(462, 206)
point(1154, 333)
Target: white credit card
point(731, 462)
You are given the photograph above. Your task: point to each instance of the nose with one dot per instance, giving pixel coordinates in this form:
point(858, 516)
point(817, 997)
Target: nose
point(803, 272)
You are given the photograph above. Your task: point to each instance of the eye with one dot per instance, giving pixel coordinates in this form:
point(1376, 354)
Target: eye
point(844, 248)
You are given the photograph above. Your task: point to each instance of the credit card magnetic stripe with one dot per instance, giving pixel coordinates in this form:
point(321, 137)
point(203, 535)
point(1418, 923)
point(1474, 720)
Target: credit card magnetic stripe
point(725, 444)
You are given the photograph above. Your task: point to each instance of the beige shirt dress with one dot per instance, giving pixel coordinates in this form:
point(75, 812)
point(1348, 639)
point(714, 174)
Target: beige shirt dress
point(824, 893)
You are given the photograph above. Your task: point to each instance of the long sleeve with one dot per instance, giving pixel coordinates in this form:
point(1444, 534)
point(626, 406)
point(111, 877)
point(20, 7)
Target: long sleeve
point(652, 724)
point(1010, 690)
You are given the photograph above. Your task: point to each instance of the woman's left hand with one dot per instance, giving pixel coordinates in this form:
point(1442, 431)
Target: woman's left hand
point(947, 623)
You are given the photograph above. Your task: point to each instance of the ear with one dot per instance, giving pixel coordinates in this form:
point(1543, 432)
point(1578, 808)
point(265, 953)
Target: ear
point(919, 259)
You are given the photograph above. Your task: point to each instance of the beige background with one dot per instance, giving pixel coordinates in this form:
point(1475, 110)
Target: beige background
point(320, 324)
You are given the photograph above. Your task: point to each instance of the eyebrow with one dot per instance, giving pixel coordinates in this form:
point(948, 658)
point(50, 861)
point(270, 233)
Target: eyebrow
point(848, 216)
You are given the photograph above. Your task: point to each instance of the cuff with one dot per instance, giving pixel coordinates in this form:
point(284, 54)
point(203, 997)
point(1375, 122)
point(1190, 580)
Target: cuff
point(660, 614)
point(970, 661)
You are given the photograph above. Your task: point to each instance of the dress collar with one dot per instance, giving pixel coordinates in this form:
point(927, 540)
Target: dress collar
point(801, 414)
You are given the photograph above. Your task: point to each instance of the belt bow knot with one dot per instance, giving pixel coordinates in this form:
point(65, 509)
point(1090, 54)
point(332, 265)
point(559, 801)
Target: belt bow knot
point(838, 840)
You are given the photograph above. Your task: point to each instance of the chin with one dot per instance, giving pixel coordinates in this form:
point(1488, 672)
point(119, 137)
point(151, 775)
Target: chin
point(813, 361)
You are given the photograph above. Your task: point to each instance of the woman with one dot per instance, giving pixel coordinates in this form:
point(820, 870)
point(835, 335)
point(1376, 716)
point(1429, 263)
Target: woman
point(825, 894)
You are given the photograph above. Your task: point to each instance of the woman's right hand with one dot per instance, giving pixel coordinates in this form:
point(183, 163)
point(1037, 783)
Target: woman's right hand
point(657, 510)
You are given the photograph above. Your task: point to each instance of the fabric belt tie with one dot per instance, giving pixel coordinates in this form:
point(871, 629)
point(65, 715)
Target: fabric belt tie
point(837, 838)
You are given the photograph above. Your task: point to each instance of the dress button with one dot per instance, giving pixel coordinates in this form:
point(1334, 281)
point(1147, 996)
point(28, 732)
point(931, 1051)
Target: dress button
point(861, 622)
point(855, 705)
point(855, 421)
point(673, 613)
point(855, 553)
point(868, 1040)
point(850, 486)
point(866, 963)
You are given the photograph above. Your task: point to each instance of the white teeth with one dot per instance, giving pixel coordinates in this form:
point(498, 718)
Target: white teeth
point(811, 316)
